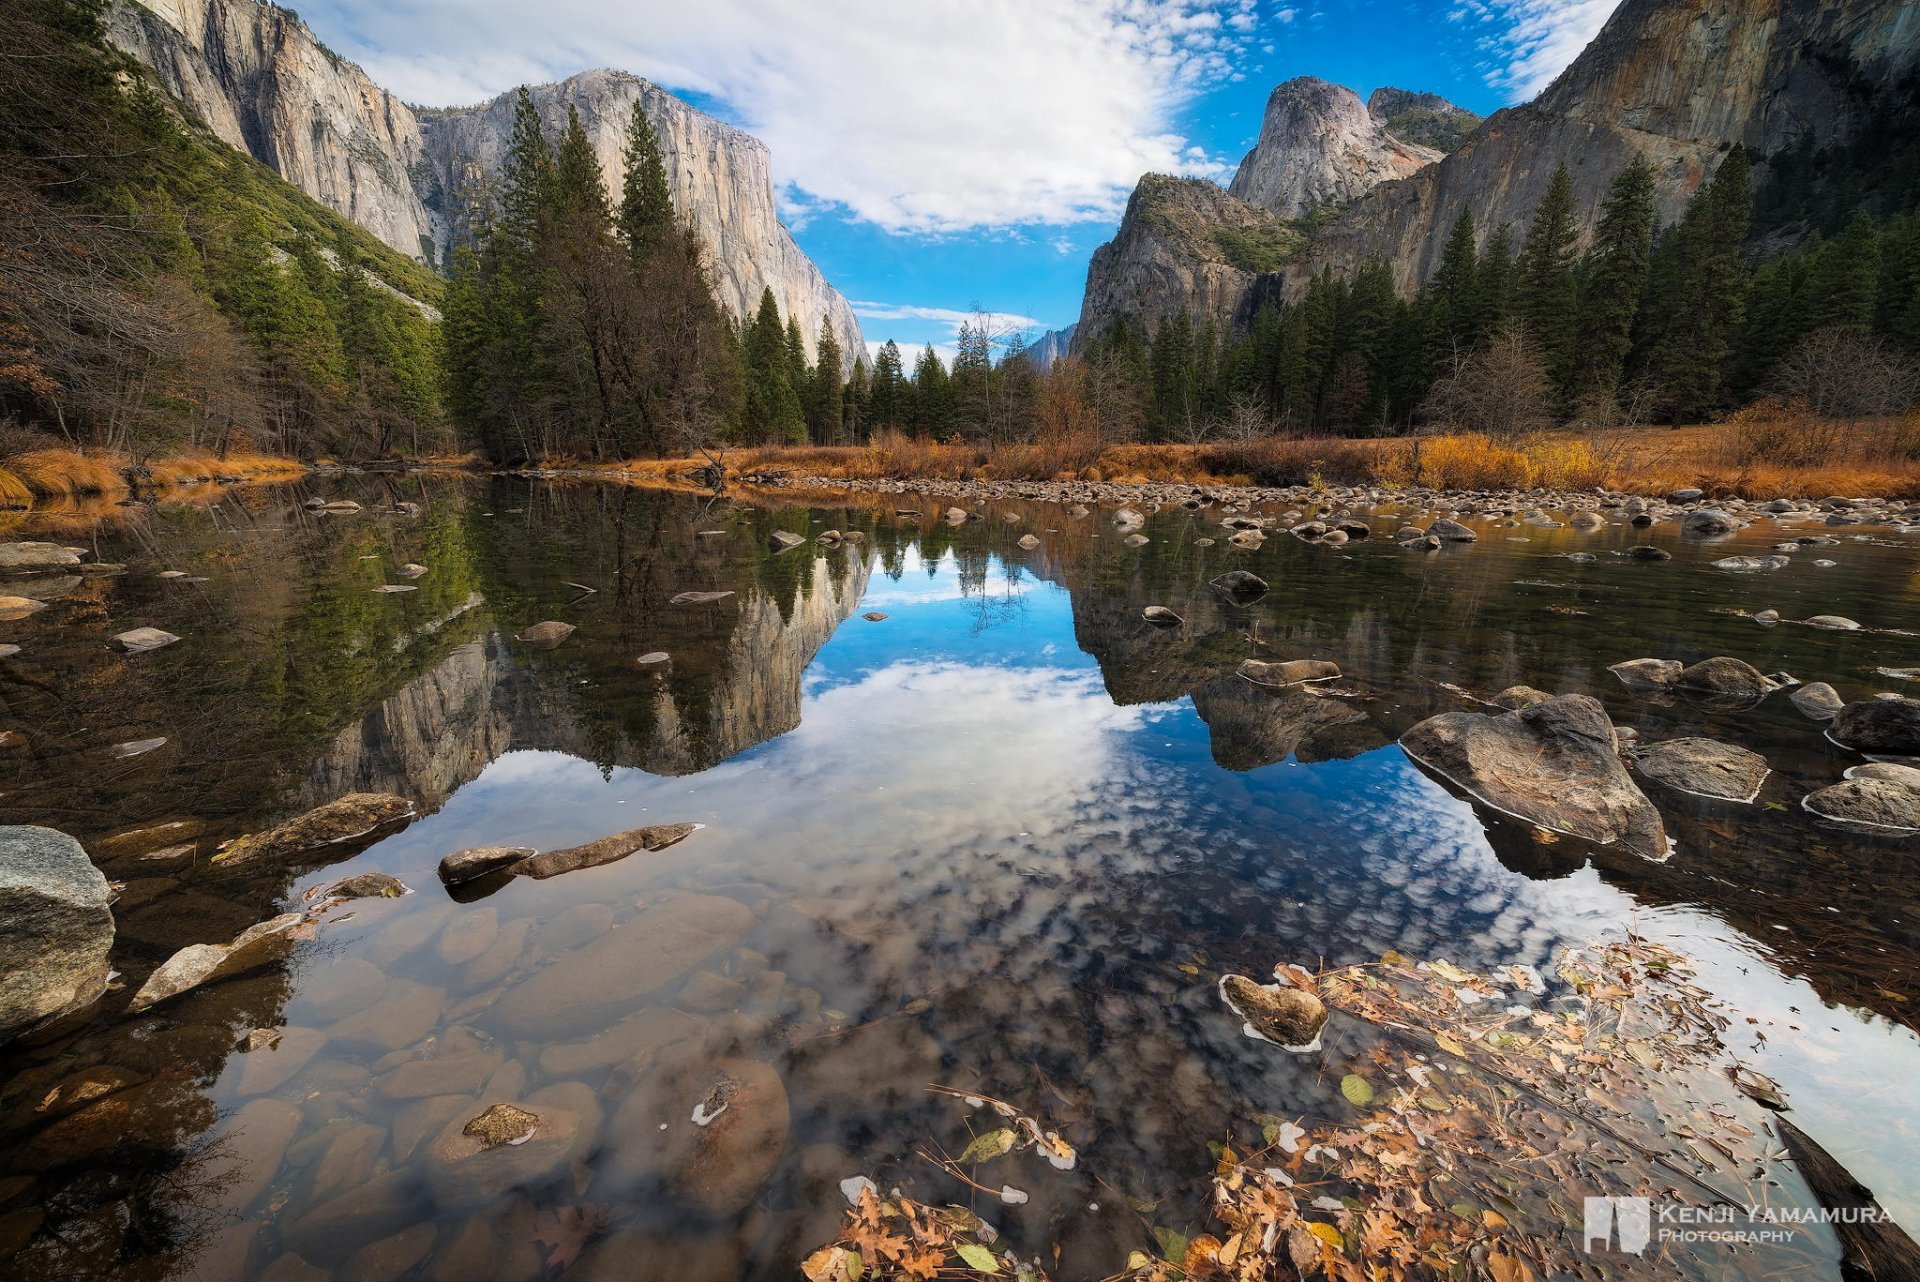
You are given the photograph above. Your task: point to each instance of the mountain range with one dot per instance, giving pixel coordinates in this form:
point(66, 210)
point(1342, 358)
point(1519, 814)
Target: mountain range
point(265, 84)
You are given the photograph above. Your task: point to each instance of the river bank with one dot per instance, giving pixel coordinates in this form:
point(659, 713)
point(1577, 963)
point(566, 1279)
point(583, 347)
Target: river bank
point(57, 473)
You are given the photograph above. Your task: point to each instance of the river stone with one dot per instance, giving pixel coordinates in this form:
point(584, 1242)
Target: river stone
point(140, 640)
point(1818, 700)
point(1136, 540)
point(547, 634)
point(1029, 542)
point(1126, 518)
point(697, 598)
point(1709, 520)
point(606, 850)
point(464, 1073)
point(269, 1065)
point(1704, 767)
point(478, 861)
point(335, 989)
point(1288, 672)
point(1279, 1013)
point(1726, 678)
point(356, 815)
point(1888, 725)
point(36, 556)
point(1161, 617)
point(1752, 563)
point(1908, 775)
point(1587, 521)
point(1519, 697)
point(1647, 674)
point(781, 540)
point(1553, 764)
point(875, 616)
point(368, 885)
point(1647, 552)
point(498, 1148)
point(199, 964)
point(467, 936)
point(402, 1017)
point(654, 659)
point(592, 985)
point(56, 927)
point(714, 1129)
point(13, 608)
point(8, 651)
point(637, 1041)
point(1451, 531)
point(384, 1204)
point(1240, 585)
point(1883, 803)
point(1833, 623)
point(248, 1151)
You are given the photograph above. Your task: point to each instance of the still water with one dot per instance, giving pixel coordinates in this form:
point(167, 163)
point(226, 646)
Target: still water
point(1005, 838)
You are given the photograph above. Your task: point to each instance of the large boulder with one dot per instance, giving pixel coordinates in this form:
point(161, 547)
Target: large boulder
point(338, 823)
point(1726, 682)
point(56, 928)
point(1876, 802)
point(1709, 520)
point(1648, 674)
point(1818, 700)
point(1889, 725)
point(589, 987)
point(1705, 768)
point(1450, 531)
point(1552, 764)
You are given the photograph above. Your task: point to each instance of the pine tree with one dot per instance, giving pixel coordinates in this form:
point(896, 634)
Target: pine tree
point(1615, 281)
point(578, 189)
point(526, 178)
point(646, 202)
point(1495, 287)
point(853, 414)
point(1696, 302)
point(1455, 287)
point(1175, 410)
point(1549, 303)
point(1843, 289)
point(932, 411)
point(888, 398)
point(772, 405)
point(828, 403)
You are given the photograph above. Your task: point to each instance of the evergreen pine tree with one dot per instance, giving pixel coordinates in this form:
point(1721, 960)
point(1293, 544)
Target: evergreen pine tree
point(646, 202)
point(887, 401)
point(1496, 283)
point(1549, 304)
point(772, 405)
point(578, 188)
point(1175, 407)
point(1701, 278)
point(932, 410)
point(1615, 281)
point(828, 402)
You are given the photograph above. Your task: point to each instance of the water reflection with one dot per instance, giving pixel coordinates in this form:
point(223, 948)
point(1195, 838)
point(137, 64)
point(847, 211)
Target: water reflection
point(1005, 838)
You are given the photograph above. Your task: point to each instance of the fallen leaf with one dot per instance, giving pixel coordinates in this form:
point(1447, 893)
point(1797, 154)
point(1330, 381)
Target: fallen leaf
point(989, 1146)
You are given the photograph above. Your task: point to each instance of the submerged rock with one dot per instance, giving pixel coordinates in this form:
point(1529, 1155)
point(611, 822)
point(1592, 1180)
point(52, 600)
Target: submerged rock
point(1705, 767)
point(1553, 764)
point(36, 556)
point(697, 598)
point(140, 640)
point(1709, 520)
point(654, 659)
point(548, 634)
point(1161, 617)
point(502, 1148)
point(1240, 585)
point(1727, 679)
point(500, 1124)
point(356, 815)
point(1647, 552)
point(714, 1131)
point(1752, 563)
point(199, 964)
point(1833, 623)
point(1818, 700)
point(605, 850)
point(56, 928)
point(1451, 531)
point(875, 616)
point(478, 861)
point(1648, 674)
point(1887, 725)
point(368, 885)
point(1879, 802)
point(1279, 1013)
point(781, 540)
point(1289, 672)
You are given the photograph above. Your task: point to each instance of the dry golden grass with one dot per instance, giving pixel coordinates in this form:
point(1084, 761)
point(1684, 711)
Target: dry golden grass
point(60, 473)
point(1742, 458)
point(195, 467)
point(63, 473)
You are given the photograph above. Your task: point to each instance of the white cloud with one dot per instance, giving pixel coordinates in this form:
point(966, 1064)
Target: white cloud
point(939, 116)
point(951, 317)
point(1537, 38)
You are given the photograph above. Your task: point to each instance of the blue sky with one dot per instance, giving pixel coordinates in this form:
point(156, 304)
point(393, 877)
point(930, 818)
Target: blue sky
point(938, 155)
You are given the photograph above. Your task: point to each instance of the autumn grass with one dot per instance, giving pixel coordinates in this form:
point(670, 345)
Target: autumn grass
point(1756, 456)
point(58, 473)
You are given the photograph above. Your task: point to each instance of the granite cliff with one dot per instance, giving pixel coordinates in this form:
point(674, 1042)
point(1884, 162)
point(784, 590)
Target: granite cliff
point(265, 84)
point(1321, 147)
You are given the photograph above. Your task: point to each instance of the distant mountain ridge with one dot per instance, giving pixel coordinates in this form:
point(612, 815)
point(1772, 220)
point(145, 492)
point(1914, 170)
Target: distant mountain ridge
point(266, 85)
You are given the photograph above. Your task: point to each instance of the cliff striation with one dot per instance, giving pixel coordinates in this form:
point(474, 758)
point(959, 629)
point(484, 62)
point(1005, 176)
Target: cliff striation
point(262, 82)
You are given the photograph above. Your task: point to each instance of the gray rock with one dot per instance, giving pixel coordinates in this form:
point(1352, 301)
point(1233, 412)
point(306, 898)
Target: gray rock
point(1553, 764)
point(56, 928)
point(1752, 563)
point(1818, 700)
point(1908, 775)
point(1241, 585)
point(1727, 679)
point(140, 640)
point(1705, 768)
point(36, 556)
point(1684, 496)
point(1289, 672)
point(1881, 803)
point(1519, 697)
point(368, 885)
point(1887, 725)
point(199, 964)
point(1161, 617)
point(1029, 542)
point(1451, 531)
point(1709, 520)
point(1320, 147)
point(1647, 552)
point(338, 823)
point(604, 850)
point(1833, 623)
point(548, 634)
point(781, 540)
point(1648, 674)
point(478, 861)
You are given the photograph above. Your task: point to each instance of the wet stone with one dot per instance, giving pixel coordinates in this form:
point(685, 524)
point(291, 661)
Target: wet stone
point(478, 861)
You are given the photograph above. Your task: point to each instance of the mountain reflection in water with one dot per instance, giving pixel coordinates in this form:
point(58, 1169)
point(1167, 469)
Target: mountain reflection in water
point(1007, 837)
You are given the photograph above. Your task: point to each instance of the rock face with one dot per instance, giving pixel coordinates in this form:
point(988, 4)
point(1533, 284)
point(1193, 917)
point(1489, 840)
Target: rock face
point(1319, 146)
point(1425, 119)
point(56, 927)
point(1182, 243)
point(265, 85)
point(1674, 80)
point(1043, 351)
point(1552, 764)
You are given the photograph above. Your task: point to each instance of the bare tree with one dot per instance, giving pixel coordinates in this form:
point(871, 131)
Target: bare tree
point(1501, 389)
point(1842, 372)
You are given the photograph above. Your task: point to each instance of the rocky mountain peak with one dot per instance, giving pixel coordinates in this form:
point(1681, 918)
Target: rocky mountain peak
point(1321, 147)
point(1425, 119)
